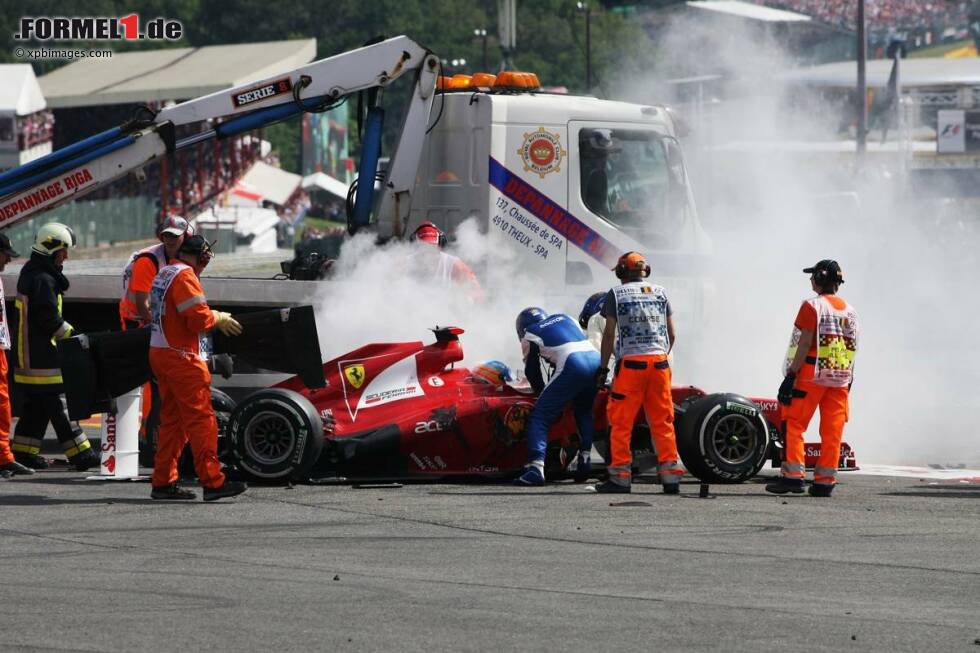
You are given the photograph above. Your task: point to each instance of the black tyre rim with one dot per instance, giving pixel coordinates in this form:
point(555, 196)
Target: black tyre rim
point(270, 438)
point(734, 439)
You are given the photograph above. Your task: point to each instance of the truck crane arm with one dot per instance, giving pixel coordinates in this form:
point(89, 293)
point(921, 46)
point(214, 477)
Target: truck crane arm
point(83, 167)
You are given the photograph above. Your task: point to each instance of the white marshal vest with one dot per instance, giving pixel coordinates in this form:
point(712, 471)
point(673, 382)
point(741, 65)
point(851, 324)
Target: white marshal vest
point(158, 252)
point(641, 319)
point(158, 295)
point(837, 340)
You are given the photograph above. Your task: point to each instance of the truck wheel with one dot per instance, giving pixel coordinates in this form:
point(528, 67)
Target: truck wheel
point(723, 438)
point(275, 434)
point(222, 404)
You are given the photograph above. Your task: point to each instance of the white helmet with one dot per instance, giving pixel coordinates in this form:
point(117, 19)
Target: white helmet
point(53, 237)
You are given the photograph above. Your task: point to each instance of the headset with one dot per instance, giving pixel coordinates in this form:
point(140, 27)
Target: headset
point(427, 224)
point(206, 252)
point(622, 270)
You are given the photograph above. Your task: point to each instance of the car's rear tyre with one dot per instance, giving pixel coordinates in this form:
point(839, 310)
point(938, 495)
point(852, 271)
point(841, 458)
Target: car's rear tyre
point(275, 434)
point(723, 438)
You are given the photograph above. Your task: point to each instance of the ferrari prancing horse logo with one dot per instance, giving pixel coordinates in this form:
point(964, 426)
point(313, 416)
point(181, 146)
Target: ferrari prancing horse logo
point(355, 375)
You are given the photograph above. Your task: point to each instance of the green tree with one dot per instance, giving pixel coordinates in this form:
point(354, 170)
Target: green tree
point(551, 42)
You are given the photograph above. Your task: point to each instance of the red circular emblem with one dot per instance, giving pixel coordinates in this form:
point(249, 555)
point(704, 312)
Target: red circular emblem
point(541, 152)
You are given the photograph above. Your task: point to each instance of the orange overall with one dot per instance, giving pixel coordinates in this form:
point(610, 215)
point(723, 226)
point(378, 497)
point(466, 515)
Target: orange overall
point(833, 405)
point(180, 318)
point(6, 456)
point(642, 381)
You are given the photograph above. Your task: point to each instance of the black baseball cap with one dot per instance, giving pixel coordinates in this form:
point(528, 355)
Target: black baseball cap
point(6, 248)
point(831, 267)
point(195, 245)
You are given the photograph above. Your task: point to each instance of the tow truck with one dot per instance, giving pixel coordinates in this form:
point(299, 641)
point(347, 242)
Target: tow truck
point(559, 185)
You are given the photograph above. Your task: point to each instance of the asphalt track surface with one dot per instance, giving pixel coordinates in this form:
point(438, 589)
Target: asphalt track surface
point(887, 564)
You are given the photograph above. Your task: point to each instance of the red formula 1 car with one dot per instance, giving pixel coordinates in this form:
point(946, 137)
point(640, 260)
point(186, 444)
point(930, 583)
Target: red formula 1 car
point(405, 411)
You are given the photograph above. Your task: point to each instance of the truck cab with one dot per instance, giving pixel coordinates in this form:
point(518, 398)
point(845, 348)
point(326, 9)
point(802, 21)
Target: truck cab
point(561, 186)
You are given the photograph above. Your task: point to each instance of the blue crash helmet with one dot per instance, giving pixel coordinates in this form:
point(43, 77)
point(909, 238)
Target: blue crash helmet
point(528, 317)
point(495, 373)
point(592, 306)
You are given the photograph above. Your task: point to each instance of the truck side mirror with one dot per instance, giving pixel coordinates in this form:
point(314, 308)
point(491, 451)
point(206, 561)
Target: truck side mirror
point(675, 163)
point(577, 273)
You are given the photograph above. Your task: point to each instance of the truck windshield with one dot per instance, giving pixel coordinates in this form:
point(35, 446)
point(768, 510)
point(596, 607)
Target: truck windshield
point(635, 180)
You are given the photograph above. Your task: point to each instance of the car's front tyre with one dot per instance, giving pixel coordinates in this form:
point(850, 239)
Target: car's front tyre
point(723, 438)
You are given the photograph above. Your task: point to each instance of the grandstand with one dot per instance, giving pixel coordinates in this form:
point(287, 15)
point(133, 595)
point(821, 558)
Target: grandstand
point(25, 123)
point(922, 23)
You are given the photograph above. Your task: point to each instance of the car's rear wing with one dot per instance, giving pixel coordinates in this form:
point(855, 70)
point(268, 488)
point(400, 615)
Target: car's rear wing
point(101, 366)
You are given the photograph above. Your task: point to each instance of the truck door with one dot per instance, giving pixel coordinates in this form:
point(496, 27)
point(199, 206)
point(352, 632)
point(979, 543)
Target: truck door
point(627, 184)
point(528, 164)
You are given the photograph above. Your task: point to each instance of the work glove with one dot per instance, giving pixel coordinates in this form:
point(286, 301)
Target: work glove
point(223, 365)
point(785, 394)
point(226, 324)
point(601, 375)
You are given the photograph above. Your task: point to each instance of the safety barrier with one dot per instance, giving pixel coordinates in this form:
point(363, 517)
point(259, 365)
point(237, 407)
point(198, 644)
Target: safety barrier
point(120, 440)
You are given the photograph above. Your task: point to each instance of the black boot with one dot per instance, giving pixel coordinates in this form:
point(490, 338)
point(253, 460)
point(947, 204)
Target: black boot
point(583, 467)
point(226, 489)
point(14, 468)
point(782, 485)
point(821, 490)
point(171, 492)
point(31, 460)
point(612, 488)
point(85, 460)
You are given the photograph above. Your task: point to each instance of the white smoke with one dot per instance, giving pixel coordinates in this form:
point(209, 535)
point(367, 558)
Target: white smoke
point(773, 205)
point(391, 293)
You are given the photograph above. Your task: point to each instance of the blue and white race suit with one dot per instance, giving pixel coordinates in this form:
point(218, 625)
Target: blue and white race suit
point(560, 341)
